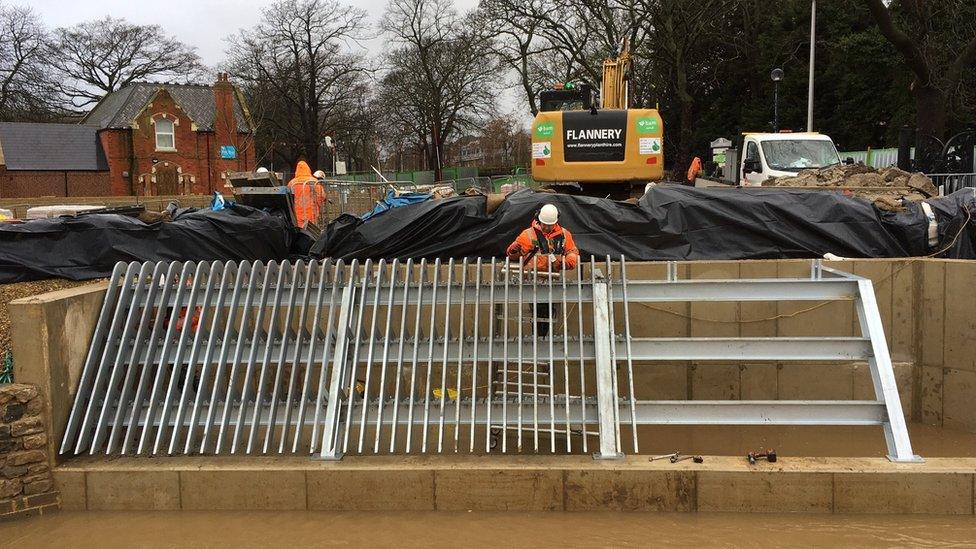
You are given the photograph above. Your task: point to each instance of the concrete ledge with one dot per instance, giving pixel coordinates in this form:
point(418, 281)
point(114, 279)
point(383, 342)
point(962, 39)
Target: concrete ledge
point(521, 483)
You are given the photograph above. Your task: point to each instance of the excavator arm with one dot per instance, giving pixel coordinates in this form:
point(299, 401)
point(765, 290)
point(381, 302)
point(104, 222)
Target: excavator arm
point(616, 72)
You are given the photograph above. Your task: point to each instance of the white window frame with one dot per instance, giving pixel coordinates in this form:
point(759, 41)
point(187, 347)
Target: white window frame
point(171, 133)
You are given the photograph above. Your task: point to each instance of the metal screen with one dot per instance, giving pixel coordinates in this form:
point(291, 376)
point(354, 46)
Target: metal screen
point(474, 356)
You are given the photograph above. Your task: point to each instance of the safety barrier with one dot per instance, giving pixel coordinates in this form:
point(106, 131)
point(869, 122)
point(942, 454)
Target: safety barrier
point(948, 183)
point(411, 356)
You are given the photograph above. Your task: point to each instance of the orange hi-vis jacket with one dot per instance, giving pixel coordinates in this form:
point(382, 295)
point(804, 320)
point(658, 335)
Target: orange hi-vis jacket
point(536, 244)
point(309, 194)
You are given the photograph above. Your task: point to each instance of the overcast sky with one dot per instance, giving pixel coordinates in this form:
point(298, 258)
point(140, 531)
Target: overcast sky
point(200, 23)
point(206, 23)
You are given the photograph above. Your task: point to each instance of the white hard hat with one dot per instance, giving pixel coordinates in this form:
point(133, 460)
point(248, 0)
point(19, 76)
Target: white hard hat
point(548, 215)
point(319, 174)
point(262, 169)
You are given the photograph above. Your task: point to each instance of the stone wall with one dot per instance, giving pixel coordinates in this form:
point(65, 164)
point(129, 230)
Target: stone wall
point(26, 486)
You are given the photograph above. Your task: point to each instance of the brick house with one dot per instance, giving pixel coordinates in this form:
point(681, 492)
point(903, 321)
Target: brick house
point(146, 139)
point(51, 160)
point(167, 139)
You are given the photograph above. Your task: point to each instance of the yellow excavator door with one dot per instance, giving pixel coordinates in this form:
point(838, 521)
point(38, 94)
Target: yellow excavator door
point(598, 146)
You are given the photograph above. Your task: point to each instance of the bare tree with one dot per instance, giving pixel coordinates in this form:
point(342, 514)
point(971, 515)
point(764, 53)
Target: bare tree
point(680, 45)
point(299, 70)
point(26, 90)
point(95, 58)
point(937, 41)
point(547, 41)
point(441, 73)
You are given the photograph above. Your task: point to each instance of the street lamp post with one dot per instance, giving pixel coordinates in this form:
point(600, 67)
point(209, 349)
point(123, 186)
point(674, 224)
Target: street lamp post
point(776, 75)
point(813, 34)
point(332, 145)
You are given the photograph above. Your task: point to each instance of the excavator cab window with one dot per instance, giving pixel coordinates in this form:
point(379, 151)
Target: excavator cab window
point(580, 98)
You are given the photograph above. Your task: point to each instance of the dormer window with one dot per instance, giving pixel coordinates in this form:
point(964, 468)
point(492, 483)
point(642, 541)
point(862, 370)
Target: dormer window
point(165, 135)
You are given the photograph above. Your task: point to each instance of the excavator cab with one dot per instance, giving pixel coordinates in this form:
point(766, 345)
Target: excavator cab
point(568, 96)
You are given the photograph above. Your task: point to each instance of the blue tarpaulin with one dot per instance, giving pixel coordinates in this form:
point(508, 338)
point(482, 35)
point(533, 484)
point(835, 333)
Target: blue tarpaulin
point(394, 200)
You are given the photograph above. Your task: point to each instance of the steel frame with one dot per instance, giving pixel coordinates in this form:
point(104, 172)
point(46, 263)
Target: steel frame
point(385, 357)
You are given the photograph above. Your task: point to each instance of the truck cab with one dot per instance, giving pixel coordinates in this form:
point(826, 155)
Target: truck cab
point(766, 155)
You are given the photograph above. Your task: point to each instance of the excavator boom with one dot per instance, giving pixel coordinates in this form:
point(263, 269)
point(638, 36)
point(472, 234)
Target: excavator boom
point(616, 72)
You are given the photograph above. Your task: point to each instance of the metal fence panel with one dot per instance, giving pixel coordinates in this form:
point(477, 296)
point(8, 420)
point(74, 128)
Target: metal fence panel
point(470, 355)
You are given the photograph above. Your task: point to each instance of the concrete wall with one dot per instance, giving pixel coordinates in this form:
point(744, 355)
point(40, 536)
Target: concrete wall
point(946, 358)
point(940, 486)
point(50, 334)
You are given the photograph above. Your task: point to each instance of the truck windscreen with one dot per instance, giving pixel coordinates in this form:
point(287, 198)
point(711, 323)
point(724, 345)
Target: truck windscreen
point(799, 154)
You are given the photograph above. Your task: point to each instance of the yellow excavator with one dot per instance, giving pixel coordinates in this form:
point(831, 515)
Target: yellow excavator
point(596, 140)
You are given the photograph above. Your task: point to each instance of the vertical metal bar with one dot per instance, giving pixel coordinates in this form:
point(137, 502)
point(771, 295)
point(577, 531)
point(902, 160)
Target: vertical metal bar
point(416, 349)
point(284, 279)
point(259, 272)
point(152, 346)
point(474, 363)
point(447, 339)
point(491, 354)
point(460, 362)
point(882, 375)
point(161, 368)
point(354, 367)
point(606, 396)
point(130, 326)
point(430, 353)
point(569, 444)
point(232, 274)
point(92, 359)
point(630, 362)
point(581, 360)
point(386, 356)
point(135, 368)
point(215, 277)
point(285, 346)
point(116, 329)
point(408, 268)
point(552, 371)
point(313, 338)
point(176, 373)
point(613, 352)
point(273, 268)
point(369, 353)
point(518, 344)
point(535, 356)
point(341, 333)
point(504, 431)
point(330, 430)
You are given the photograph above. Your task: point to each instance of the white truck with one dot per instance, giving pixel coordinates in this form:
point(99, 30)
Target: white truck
point(755, 157)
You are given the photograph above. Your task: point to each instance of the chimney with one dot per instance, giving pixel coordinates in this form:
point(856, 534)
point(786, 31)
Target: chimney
point(225, 123)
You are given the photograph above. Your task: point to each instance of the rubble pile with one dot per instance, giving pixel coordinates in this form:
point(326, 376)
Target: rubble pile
point(888, 188)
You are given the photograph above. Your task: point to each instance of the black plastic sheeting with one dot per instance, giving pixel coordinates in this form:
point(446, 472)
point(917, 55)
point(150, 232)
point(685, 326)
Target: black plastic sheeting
point(670, 222)
point(88, 246)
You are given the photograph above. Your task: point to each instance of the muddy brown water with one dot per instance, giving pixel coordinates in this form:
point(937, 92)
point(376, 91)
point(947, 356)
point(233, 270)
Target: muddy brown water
point(410, 529)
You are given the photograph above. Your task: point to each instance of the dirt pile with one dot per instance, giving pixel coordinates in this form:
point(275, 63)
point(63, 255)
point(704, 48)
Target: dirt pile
point(888, 188)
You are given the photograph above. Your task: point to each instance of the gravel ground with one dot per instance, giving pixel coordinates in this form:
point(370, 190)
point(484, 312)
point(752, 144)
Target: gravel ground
point(10, 292)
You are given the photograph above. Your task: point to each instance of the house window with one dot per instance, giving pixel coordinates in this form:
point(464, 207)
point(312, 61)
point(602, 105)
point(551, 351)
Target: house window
point(165, 136)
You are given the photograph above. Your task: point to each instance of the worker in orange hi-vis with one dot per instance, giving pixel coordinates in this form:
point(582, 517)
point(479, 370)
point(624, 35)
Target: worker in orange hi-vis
point(547, 242)
point(549, 246)
point(694, 170)
point(309, 194)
